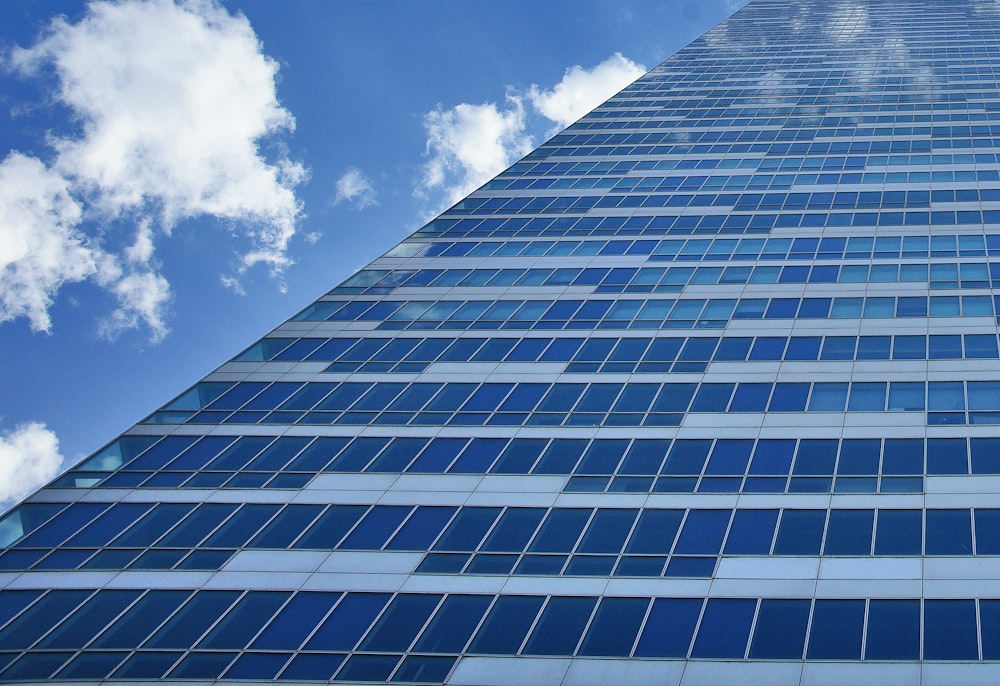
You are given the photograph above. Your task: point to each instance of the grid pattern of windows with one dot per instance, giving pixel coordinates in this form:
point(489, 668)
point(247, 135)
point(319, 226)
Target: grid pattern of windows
point(708, 379)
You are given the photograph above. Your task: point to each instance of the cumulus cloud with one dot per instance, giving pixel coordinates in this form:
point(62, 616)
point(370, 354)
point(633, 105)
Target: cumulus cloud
point(173, 101)
point(355, 188)
point(581, 90)
point(41, 248)
point(29, 458)
point(469, 144)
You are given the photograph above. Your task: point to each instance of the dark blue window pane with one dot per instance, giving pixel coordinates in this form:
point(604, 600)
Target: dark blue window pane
point(424, 669)
point(836, 630)
point(898, 532)
point(368, 668)
point(399, 625)
point(348, 622)
point(559, 628)
point(453, 624)
point(800, 532)
point(468, 528)
point(655, 532)
point(41, 617)
point(947, 456)
point(296, 621)
point(331, 526)
point(514, 529)
point(893, 630)
point(950, 630)
point(239, 528)
point(724, 628)
point(686, 457)
point(286, 526)
point(644, 457)
point(703, 532)
point(92, 665)
point(751, 532)
point(560, 531)
point(780, 631)
point(199, 613)
point(421, 528)
point(849, 532)
point(669, 628)
point(987, 531)
point(377, 526)
point(257, 666)
point(615, 626)
point(607, 531)
point(241, 623)
point(772, 457)
point(81, 626)
point(35, 667)
point(949, 532)
point(729, 456)
point(312, 667)
point(506, 625)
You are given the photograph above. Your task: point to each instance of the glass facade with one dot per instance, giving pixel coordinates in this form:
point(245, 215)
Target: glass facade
point(705, 388)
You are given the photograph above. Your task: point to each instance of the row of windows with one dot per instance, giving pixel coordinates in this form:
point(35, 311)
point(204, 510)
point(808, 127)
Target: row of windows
point(310, 636)
point(144, 536)
point(684, 465)
point(721, 222)
point(614, 355)
point(663, 313)
point(923, 145)
point(572, 404)
point(946, 275)
point(980, 135)
point(806, 160)
point(825, 200)
point(661, 184)
point(784, 202)
point(694, 249)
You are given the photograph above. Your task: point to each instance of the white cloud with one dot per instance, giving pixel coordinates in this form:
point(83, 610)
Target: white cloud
point(581, 90)
point(29, 458)
point(469, 144)
point(173, 101)
point(354, 187)
point(41, 248)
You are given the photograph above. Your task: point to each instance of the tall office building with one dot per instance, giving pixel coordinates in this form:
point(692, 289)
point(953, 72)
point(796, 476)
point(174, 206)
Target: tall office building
point(704, 389)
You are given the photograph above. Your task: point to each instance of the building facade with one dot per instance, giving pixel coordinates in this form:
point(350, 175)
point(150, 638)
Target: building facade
point(705, 388)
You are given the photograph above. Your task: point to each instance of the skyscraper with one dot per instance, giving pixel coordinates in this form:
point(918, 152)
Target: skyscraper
point(705, 388)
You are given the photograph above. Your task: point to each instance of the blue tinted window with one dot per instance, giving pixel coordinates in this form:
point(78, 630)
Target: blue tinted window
point(780, 631)
point(836, 630)
point(669, 627)
point(348, 621)
point(950, 630)
point(893, 630)
point(453, 624)
point(560, 626)
point(400, 623)
point(849, 532)
point(751, 532)
point(295, 621)
point(614, 628)
point(703, 532)
point(724, 628)
point(506, 625)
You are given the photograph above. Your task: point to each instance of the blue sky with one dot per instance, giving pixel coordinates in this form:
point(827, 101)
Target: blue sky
point(177, 178)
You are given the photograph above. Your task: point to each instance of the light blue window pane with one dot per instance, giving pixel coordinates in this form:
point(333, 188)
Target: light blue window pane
point(867, 397)
point(828, 397)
